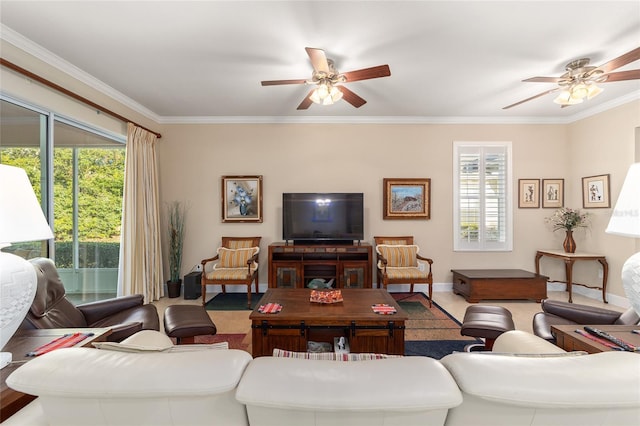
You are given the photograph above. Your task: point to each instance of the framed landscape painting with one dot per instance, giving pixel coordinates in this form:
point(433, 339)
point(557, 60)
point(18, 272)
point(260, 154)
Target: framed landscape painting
point(552, 193)
point(242, 198)
point(528, 193)
point(595, 192)
point(406, 198)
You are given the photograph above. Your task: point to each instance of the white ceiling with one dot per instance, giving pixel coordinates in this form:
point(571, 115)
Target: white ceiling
point(451, 61)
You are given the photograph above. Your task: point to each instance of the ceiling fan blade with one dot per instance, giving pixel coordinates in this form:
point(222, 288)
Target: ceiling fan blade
point(351, 97)
point(542, 80)
point(306, 102)
point(620, 61)
point(623, 75)
point(318, 59)
point(367, 73)
point(532, 98)
point(279, 82)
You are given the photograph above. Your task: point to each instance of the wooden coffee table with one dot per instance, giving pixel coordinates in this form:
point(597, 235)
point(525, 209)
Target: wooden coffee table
point(569, 340)
point(301, 321)
point(25, 341)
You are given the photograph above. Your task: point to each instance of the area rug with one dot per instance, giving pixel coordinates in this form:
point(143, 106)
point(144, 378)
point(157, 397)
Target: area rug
point(232, 302)
point(430, 331)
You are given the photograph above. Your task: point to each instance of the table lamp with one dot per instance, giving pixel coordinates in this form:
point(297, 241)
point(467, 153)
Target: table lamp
point(21, 219)
point(625, 221)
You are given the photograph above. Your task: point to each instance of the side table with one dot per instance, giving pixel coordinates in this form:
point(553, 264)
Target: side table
point(25, 341)
point(569, 259)
point(569, 340)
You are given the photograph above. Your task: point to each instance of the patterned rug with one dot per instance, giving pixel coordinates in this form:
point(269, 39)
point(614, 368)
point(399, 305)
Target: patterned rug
point(430, 331)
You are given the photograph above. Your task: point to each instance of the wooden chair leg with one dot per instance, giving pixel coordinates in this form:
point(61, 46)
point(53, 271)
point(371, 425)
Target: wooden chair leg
point(204, 294)
point(430, 294)
point(411, 288)
point(249, 296)
point(224, 288)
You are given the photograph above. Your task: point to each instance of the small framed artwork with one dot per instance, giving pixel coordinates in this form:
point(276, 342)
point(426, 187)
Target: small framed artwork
point(406, 198)
point(241, 198)
point(595, 192)
point(552, 193)
point(528, 193)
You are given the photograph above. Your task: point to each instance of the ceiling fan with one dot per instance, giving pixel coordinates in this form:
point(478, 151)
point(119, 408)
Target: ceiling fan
point(580, 79)
point(328, 81)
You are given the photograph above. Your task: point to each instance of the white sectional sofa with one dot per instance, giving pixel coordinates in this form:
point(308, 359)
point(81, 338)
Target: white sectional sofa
point(524, 381)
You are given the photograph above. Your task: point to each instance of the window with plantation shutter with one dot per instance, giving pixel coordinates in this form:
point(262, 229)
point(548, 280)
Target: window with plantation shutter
point(482, 196)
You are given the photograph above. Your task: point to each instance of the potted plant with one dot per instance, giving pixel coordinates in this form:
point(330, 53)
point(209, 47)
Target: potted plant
point(176, 213)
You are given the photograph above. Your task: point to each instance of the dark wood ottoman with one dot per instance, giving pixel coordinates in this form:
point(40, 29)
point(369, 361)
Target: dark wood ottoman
point(184, 322)
point(487, 322)
point(499, 284)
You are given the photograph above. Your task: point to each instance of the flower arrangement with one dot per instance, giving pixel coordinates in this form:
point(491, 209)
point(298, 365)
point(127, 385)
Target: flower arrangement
point(568, 219)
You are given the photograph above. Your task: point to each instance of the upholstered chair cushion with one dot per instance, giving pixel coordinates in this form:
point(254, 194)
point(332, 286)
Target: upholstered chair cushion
point(240, 243)
point(400, 255)
point(235, 258)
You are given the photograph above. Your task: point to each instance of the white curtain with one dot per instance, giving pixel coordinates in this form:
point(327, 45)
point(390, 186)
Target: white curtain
point(140, 270)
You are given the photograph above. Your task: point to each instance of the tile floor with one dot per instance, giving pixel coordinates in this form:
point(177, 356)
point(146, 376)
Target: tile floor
point(523, 311)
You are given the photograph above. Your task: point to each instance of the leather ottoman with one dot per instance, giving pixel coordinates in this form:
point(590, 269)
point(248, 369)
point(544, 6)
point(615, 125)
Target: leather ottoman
point(184, 322)
point(487, 322)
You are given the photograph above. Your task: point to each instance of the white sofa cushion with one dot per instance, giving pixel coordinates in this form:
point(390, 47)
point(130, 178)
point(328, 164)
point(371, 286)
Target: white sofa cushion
point(408, 383)
point(606, 380)
point(80, 385)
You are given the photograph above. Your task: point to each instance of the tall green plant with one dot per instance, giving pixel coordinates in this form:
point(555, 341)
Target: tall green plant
point(176, 238)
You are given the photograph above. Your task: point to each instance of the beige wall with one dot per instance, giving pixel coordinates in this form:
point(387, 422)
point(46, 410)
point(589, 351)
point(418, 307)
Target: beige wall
point(356, 157)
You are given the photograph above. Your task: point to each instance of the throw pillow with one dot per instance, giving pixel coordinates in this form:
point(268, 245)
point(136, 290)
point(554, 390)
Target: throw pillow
point(235, 258)
point(399, 256)
point(330, 356)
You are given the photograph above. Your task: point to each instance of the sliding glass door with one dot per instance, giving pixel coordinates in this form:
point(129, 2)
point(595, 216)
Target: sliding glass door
point(78, 173)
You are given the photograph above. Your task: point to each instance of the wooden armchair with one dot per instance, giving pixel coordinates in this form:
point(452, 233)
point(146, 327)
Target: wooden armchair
point(398, 262)
point(236, 263)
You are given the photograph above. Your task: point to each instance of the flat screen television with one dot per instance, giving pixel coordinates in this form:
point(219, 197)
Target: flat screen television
point(322, 217)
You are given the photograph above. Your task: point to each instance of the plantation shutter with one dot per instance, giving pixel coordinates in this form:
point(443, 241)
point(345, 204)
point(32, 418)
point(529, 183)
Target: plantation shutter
point(482, 196)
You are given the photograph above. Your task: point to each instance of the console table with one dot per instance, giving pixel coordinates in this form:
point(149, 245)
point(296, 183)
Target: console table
point(25, 341)
point(569, 259)
point(294, 265)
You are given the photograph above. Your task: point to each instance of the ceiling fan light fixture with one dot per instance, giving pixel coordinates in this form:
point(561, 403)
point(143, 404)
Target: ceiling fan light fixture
point(565, 98)
point(325, 94)
point(579, 91)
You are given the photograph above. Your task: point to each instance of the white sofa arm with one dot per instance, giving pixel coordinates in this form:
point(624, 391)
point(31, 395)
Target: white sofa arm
point(289, 391)
point(112, 387)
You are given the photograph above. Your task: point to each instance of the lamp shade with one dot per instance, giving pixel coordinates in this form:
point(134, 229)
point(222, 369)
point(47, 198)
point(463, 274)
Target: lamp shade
point(21, 218)
point(625, 219)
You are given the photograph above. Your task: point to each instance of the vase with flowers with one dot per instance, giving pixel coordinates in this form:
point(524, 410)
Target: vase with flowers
point(568, 219)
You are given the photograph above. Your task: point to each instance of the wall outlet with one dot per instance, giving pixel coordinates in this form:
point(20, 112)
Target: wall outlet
point(198, 267)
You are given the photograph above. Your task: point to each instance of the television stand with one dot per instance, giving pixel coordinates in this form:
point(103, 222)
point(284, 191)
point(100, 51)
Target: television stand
point(323, 242)
point(295, 265)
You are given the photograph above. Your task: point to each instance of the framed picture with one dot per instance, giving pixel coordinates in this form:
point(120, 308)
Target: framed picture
point(595, 192)
point(241, 198)
point(406, 198)
point(529, 193)
point(552, 193)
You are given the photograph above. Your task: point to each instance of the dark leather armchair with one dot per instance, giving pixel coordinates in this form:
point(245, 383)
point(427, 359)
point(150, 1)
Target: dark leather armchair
point(555, 312)
point(51, 309)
